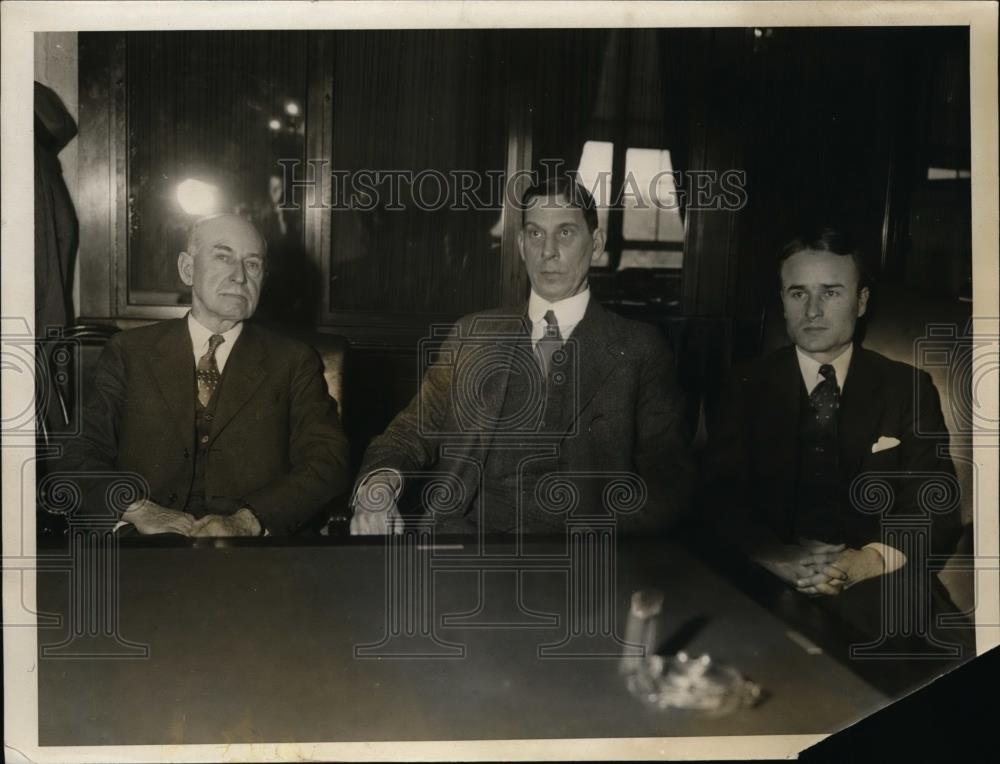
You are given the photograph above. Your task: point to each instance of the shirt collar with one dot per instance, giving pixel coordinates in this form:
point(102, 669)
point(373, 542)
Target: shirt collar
point(810, 368)
point(569, 312)
point(200, 336)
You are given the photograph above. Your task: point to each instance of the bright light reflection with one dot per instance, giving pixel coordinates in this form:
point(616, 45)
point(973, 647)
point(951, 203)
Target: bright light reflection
point(292, 108)
point(197, 197)
point(274, 124)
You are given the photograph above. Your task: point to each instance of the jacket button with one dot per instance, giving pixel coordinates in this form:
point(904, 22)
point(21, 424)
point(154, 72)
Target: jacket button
point(204, 439)
point(187, 454)
point(172, 498)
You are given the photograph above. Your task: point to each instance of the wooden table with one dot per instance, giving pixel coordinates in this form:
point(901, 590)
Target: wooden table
point(258, 641)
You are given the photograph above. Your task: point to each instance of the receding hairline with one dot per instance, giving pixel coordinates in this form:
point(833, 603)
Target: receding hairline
point(200, 223)
point(557, 200)
point(572, 193)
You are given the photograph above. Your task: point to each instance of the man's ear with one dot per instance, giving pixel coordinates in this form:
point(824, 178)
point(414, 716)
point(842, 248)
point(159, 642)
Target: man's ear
point(599, 242)
point(520, 243)
point(185, 267)
point(862, 301)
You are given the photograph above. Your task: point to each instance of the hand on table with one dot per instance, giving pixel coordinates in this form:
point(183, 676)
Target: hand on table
point(859, 565)
point(148, 517)
point(240, 523)
point(375, 510)
point(808, 566)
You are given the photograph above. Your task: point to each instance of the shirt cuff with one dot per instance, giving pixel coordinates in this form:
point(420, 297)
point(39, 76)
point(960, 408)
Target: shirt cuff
point(893, 558)
point(393, 476)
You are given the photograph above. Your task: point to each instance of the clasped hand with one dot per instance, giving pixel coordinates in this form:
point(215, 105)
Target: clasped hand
point(149, 518)
point(815, 567)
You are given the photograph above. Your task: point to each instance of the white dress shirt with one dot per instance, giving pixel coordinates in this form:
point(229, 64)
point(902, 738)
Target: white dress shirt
point(200, 337)
point(809, 367)
point(569, 313)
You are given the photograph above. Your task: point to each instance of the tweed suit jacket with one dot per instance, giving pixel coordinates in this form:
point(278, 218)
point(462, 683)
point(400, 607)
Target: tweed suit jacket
point(625, 413)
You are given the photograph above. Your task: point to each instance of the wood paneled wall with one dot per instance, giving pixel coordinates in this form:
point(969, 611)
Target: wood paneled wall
point(821, 121)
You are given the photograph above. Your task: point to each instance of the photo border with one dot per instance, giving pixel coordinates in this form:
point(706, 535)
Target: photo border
point(20, 19)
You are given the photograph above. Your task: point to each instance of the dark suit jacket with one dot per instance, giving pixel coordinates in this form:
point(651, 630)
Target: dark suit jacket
point(276, 442)
point(752, 462)
point(628, 414)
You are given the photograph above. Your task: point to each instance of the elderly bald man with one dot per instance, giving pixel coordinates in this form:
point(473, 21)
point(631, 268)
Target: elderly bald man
point(230, 424)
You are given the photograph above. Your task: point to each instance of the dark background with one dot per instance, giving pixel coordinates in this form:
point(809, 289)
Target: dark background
point(841, 124)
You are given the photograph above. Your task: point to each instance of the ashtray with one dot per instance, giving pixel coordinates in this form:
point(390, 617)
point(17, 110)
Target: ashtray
point(701, 684)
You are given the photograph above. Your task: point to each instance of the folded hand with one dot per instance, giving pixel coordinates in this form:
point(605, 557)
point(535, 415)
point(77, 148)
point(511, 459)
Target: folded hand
point(148, 517)
point(241, 523)
point(808, 566)
point(859, 564)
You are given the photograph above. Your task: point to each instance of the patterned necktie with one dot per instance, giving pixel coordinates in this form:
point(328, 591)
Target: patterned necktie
point(825, 397)
point(208, 370)
point(550, 341)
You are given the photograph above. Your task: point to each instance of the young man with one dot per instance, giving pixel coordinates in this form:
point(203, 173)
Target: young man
point(798, 428)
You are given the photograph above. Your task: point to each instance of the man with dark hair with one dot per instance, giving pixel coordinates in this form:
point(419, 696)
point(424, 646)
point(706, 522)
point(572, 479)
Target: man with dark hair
point(562, 189)
point(230, 425)
point(796, 428)
point(521, 396)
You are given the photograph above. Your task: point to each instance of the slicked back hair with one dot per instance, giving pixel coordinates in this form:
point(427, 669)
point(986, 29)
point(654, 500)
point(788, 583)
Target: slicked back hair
point(826, 238)
point(563, 187)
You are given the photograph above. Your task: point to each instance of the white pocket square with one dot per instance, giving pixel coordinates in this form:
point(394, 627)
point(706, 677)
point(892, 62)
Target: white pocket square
point(884, 443)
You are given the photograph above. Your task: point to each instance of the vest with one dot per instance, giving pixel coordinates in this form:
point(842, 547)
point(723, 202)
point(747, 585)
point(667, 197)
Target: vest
point(203, 422)
point(821, 492)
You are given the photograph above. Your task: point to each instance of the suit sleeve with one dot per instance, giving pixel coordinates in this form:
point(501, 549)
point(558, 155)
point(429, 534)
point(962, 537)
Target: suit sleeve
point(725, 483)
point(662, 450)
point(409, 443)
point(924, 451)
point(90, 459)
point(318, 454)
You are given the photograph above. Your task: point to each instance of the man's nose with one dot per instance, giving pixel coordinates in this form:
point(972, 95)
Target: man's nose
point(550, 249)
point(239, 274)
point(814, 307)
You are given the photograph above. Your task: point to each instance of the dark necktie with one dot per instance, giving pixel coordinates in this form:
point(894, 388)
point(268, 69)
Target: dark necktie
point(825, 397)
point(550, 341)
point(208, 370)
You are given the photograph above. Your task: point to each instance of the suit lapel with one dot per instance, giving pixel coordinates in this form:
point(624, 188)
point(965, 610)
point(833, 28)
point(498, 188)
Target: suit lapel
point(509, 332)
point(597, 349)
point(244, 373)
point(515, 333)
point(173, 369)
point(861, 408)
